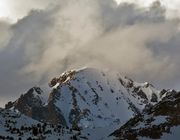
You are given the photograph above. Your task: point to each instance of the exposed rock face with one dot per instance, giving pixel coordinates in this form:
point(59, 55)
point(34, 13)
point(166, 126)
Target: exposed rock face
point(65, 77)
point(91, 99)
point(155, 121)
point(54, 114)
point(31, 104)
point(16, 126)
point(88, 97)
point(85, 98)
point(28, 102)
point(154, 98)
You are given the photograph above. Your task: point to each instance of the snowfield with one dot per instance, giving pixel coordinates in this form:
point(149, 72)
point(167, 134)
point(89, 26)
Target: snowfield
point(90, 104)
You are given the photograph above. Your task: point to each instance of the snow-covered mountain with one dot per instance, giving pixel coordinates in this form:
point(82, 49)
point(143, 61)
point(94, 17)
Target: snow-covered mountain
point(16, 126)
point(161, 121)
point(93, 102)
point(91, 98)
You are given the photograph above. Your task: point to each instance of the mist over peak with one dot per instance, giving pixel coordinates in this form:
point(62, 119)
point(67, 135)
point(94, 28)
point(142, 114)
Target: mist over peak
point(140, 42)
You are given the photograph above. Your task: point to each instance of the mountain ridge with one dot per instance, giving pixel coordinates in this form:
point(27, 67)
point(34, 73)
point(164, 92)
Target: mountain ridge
point(89, 99)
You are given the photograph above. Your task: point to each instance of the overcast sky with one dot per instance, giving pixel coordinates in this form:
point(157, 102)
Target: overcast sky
point(40, 39)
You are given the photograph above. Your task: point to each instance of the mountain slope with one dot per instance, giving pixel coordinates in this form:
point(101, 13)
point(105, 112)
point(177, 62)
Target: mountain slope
point(14, 125)
point(96, 103)
point(33, 104)
point(91, 98)
point(156, 122)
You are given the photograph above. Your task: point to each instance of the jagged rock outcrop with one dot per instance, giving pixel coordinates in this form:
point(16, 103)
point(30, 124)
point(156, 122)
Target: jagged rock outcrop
point(28, 103)
point(154, 122)
point(87, 97)
point(97, 103)
point(33, 105)
point(16, 126)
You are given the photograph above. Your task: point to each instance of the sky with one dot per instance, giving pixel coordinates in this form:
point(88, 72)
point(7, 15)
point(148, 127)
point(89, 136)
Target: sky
point(40, 39)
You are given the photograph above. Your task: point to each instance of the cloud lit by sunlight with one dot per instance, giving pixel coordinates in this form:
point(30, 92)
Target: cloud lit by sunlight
point(4, 9)
point(47, 39)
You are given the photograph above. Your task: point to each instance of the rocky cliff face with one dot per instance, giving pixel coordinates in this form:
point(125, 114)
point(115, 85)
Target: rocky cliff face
point(28, 103)
point(94, 101)
point(162, 118)
point(88, 98)
point(91, 98)
point(32, 104)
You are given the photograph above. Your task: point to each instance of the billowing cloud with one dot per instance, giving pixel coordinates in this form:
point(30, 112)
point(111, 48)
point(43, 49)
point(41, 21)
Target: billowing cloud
point(139, 42)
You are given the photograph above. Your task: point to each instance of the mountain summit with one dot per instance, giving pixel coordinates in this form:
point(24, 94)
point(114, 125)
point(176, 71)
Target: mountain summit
point(96, 104)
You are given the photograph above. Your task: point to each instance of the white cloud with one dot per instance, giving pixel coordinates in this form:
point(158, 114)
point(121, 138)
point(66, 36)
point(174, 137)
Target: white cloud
point(138, 42)
point(171, 6)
